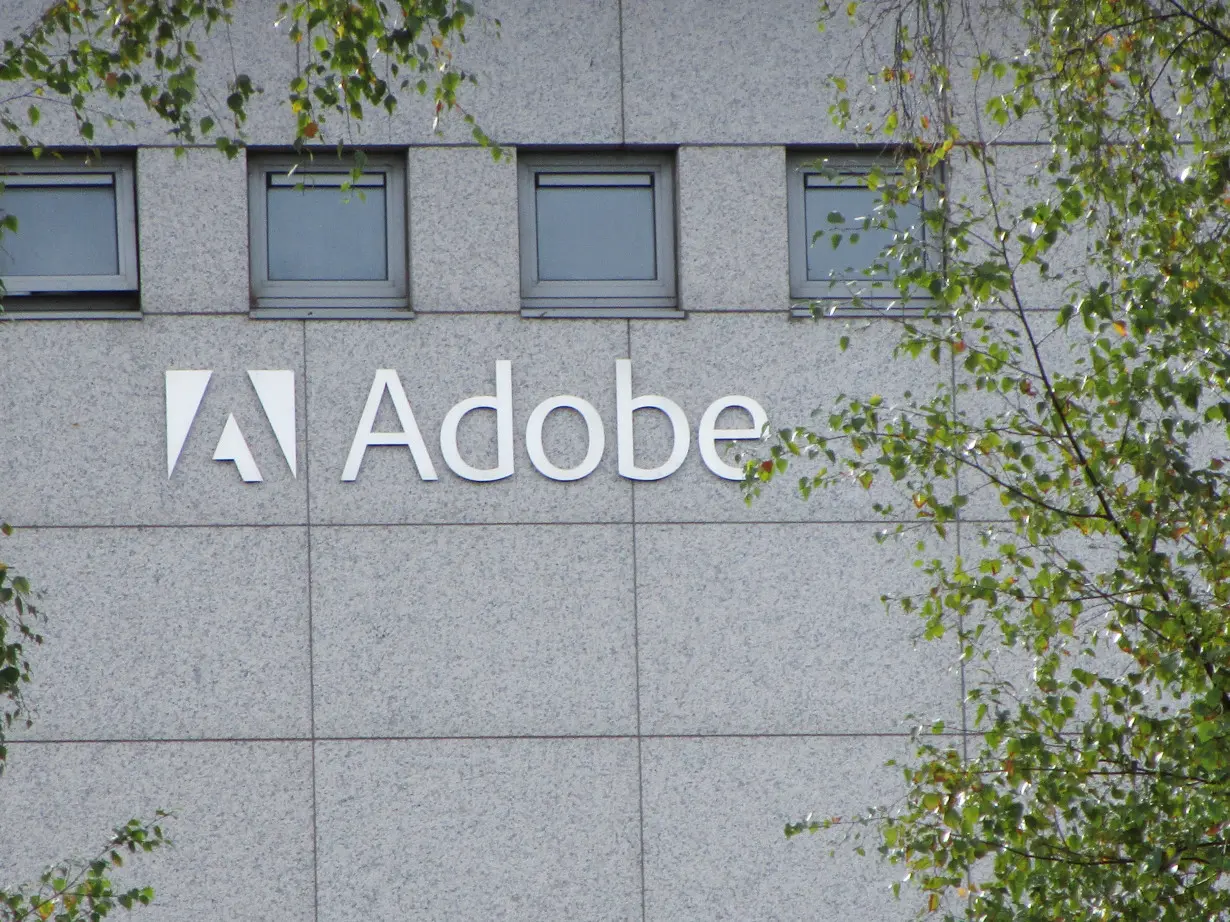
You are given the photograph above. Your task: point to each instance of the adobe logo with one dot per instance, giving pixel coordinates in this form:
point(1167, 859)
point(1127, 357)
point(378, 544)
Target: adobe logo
point(276, 391)
point(185, 389)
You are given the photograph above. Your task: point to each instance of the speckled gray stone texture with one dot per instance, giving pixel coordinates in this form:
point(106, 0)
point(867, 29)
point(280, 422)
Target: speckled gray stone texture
point(547, 74)
point(1094, 648)
point(463, 231)
point(732, 229)
point(168, 633)
point(57, 124)
point(19, 14)
point(998, 32)
point(251, 45)
point(792, 368)
point(1060, 352)
point(255, 44)
point(192, 213)
point(1015, 178)
point(780, 629)
point(242, 827)
point(536, 639)
point(714, 814)
point(441, 361)
point(550, 74)
point(479, 829)
point(88, 399)
point(727, 71)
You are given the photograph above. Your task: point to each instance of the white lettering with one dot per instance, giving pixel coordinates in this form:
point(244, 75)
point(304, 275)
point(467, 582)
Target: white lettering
point(232, 446)
point(184, 391)
point(593, 423)
point(276, 392)
point(710, 434)
point(387, 379)
point(625, 406)
point(275, 389)
point(502, 404)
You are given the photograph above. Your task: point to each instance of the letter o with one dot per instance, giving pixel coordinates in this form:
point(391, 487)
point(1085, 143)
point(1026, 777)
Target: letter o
point(593, 423)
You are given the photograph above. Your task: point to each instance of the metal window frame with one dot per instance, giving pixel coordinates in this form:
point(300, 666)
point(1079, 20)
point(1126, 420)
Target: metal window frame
point(849, 166)
point(297, 298)
point(606, 297)
point(115, 171)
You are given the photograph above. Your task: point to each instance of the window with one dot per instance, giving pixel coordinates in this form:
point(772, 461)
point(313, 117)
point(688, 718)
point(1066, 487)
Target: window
point(76, 227)
point(838, 229)
point(597, 235)
point(323, 245)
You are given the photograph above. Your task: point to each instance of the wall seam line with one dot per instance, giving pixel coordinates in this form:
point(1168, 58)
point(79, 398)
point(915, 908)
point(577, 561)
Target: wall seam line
point(307, 503)
point(636, 638)
point(464, 738)
point(663, 523)
point(623, 115)
point(956, 483)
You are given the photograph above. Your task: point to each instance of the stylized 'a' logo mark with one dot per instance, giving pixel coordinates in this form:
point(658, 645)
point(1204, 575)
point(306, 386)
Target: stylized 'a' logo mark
point(274, 389)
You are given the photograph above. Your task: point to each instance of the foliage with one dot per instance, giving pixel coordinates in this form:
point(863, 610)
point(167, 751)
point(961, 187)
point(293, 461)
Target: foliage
point(1086, 311)
point(69, 890)
point(93, 58)
point(72, 891)
point(16, 631)
point(354, 56)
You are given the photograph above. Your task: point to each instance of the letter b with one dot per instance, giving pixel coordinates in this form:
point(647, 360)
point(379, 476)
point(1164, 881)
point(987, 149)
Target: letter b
point(625, 406)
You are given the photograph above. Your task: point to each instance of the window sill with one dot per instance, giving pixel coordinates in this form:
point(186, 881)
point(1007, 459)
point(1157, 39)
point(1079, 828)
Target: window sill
point(100, 305)
point(602, 313)
point(11, 313)
point(331, 313)
point(818, 308)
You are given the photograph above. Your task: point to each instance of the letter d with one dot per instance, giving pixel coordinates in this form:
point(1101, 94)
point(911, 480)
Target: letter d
point(502, 404)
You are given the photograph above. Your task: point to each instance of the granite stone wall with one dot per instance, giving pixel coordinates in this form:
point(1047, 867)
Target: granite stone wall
point(524, 700)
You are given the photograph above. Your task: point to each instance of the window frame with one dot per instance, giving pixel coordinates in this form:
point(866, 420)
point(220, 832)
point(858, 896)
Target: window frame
point(804, 291)
point(126, 281)
point(342, 298)
point(598, 297)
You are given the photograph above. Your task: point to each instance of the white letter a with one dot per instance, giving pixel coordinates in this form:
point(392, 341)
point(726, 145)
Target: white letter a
point(409, 436)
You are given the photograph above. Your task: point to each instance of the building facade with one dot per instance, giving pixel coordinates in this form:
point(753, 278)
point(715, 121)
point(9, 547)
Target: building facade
point(522, 659)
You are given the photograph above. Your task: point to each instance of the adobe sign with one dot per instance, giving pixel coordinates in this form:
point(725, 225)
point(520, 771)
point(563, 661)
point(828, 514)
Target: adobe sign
point(275, 389)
